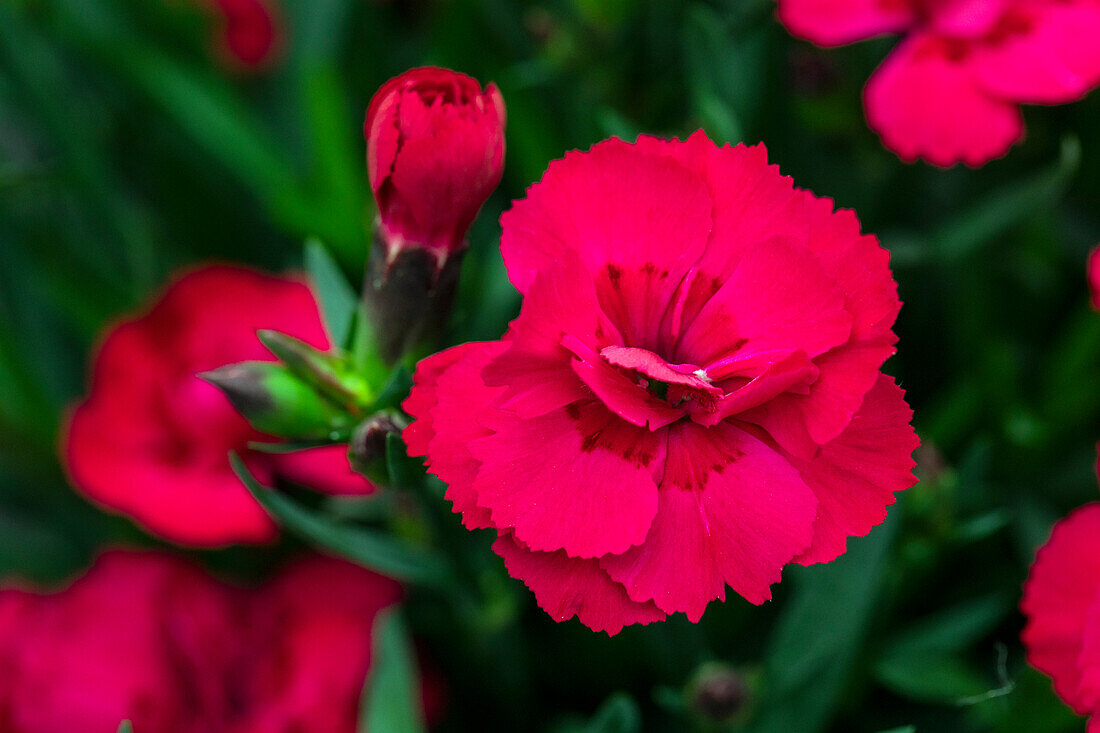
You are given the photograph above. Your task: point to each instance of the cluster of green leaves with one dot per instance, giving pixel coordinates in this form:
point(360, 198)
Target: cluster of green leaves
point(126, 152)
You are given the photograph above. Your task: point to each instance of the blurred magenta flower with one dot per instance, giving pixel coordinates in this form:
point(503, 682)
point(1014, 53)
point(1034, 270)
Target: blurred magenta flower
point(435, 151)
point(1062, 605)
point(151, 439)
point(950, 92)
point(148, 637)
point(249, 31)
point(690, 396)
point(1093, 274)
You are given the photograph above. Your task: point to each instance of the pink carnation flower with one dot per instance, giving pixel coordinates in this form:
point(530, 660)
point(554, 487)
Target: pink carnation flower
point(1062, 604)
point(690, 396)
point(951, 90)
point(151, 440)
point(148, 637)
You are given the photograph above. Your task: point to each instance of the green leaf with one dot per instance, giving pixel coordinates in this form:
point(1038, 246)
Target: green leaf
point(954, 629)
point(126, 727)
point(1000, 210)
point(391, 696)
point(935, 678)
point(337, 297)
point(902, 729)
point(372, 549)
point(820, 633)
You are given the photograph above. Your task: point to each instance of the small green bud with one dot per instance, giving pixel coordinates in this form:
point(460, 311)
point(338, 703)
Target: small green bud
point(277, 402)
point(326, 372)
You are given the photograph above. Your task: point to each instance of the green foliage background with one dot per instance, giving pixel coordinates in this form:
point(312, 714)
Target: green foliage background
point(126, 152)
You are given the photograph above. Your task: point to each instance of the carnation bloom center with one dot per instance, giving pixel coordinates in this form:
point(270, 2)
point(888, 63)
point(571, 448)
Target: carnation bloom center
point(658, 382)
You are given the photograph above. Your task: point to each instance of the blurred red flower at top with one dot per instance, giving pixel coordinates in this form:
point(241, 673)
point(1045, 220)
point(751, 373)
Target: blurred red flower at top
point(248, 31)
point(1062, 605)
point(690, 396)
point(151, 439)
point(150, 638)
point(435, 151)
point(950, 92)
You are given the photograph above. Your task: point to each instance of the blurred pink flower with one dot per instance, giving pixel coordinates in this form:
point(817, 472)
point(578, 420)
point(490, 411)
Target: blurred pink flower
point(249, 32)
point(435, 151)
point(150, 638)
point(151, 439)
point(1093, 275)
point(690, 396)
point(950, 92)
point(1062, 605)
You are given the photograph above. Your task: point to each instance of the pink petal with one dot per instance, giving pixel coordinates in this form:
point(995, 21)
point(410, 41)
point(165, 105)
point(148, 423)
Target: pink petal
point(926, 103)
point(801, 423)
point(777, 298)
point(676, 568)
point(566, 586)
point(1058, 596)
point(536, 368)
point(1047, 53)
point(855, 476)
point(742, 513)
point(966, 19)
point(425, 394)
point(624, 397)
point(856, 261)
point(753, 203)
point(1089, 661)
point(578, 480)
point(836, 22)
point(448, 391)
point(654, 367)
point(780, 376)
point(610, 205)
point(461, 394)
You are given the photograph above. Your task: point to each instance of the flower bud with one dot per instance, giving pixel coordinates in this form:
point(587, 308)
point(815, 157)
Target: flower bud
point(435, 151)
point(276, 402)
point(718, 693)
point(367, 447)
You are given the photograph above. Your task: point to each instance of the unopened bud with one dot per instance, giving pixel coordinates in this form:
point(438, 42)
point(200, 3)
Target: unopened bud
point(277, 402)
point(367, 447)
point(435, 151)
point(718, 693)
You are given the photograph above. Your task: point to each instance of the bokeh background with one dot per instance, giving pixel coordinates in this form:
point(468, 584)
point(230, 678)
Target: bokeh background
point(130, 147)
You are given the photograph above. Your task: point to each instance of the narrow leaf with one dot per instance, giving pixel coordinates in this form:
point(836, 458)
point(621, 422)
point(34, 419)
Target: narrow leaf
point(372, 549)
point(337, 297)
point(808, 662)
point(391, 697)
